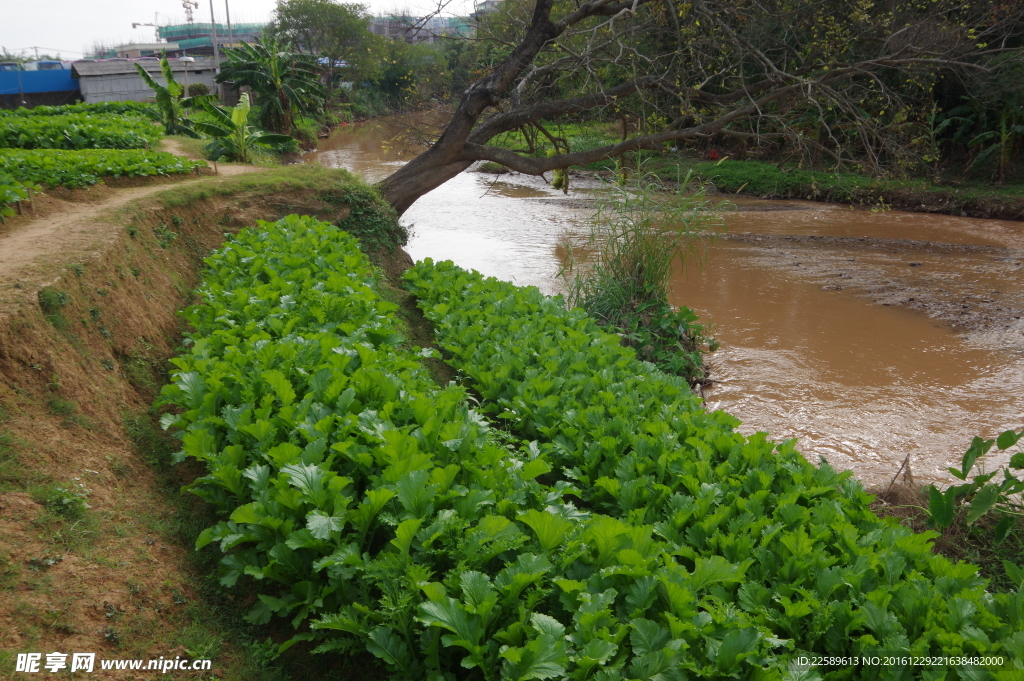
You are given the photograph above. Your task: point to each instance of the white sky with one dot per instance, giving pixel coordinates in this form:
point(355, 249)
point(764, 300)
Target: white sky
point(72, 26)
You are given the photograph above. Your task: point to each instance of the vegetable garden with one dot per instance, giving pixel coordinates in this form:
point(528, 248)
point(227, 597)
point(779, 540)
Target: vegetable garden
point(77, 131)
point(75, 146)
point(570, 512)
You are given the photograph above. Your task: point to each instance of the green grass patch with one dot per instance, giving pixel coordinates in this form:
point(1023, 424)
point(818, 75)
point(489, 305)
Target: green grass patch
point(52, 302)
point(296, 178)
point(767, 180)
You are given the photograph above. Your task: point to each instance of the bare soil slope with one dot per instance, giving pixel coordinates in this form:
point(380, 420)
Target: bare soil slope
point(92, 555)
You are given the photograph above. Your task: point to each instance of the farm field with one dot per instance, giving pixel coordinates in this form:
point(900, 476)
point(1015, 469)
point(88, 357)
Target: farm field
point(561, 510)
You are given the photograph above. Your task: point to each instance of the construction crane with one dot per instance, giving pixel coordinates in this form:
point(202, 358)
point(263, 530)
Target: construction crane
point(189, 6)
point(155, 25)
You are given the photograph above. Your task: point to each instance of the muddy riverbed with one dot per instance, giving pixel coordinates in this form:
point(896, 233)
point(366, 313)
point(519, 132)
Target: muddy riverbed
point(869, 336)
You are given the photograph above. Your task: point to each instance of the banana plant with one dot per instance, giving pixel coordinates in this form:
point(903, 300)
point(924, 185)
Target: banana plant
point(233, 138)
point(1003, 141)
point(169, 99)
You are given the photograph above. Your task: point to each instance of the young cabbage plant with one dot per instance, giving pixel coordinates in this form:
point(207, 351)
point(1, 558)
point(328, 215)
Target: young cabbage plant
point(233, 138)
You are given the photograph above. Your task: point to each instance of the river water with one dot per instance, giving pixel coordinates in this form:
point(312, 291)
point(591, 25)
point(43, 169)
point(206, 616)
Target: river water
point(819, 341)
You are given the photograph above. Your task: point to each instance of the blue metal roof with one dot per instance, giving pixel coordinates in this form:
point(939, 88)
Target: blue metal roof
point(13, 82)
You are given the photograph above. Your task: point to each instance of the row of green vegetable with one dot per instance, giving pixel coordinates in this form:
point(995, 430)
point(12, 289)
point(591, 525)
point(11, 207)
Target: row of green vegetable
point(74, 169)
point(78, 131)
point(813, 570)
point(621, 533)
point(143, 109)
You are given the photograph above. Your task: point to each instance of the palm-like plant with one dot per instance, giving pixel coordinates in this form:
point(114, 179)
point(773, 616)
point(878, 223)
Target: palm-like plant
point(232, 137)
point(283, 82)
point(169, 99)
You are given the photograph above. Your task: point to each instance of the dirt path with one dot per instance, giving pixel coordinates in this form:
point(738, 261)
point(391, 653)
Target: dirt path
point(34, 253)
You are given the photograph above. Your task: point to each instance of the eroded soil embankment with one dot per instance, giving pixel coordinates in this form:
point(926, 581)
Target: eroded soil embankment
point(91, 557)
point(976, 289)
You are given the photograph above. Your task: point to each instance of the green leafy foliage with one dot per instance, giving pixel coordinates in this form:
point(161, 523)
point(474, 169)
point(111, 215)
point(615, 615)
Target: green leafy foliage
point(72, 169)
point(639, 236)
point(981, 495)
point(11, 192)
point(631, 536)
point(233, 138)
point(283, 82)
point(143, 109)
point(780, 557)
point(77, 131)
point(372, 220)
point(169, 98)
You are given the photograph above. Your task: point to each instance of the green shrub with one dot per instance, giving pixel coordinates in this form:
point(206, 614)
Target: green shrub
point(373, 221)
point(639, 236)
point(11, 192)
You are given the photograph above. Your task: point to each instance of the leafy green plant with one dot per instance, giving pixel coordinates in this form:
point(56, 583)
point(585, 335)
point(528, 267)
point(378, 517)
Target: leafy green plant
point(73, 169)
point(637, 448)
point(638, 237)
point(981, 495)
point(1001, 142)
point(77, 131)
point(142, 109)
point(169, 99)
point(164, 234)
point(13, 191)
point(284, 82)
point(233, 138)
point(67, 501)
point(626, 534)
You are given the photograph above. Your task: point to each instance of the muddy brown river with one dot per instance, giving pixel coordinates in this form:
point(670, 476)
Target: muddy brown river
point(868, 336)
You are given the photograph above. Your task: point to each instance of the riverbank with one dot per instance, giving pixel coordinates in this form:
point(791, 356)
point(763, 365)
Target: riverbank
point(96, 540)
point(766, 181)
point(947, 195)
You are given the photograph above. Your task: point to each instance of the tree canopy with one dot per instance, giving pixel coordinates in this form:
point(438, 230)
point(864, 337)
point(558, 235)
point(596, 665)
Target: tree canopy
point(335, 31)
point(842, 79)
point(283, 82)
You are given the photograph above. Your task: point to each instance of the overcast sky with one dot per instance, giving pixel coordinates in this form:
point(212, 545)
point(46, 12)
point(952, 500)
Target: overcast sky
point(73, 26)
